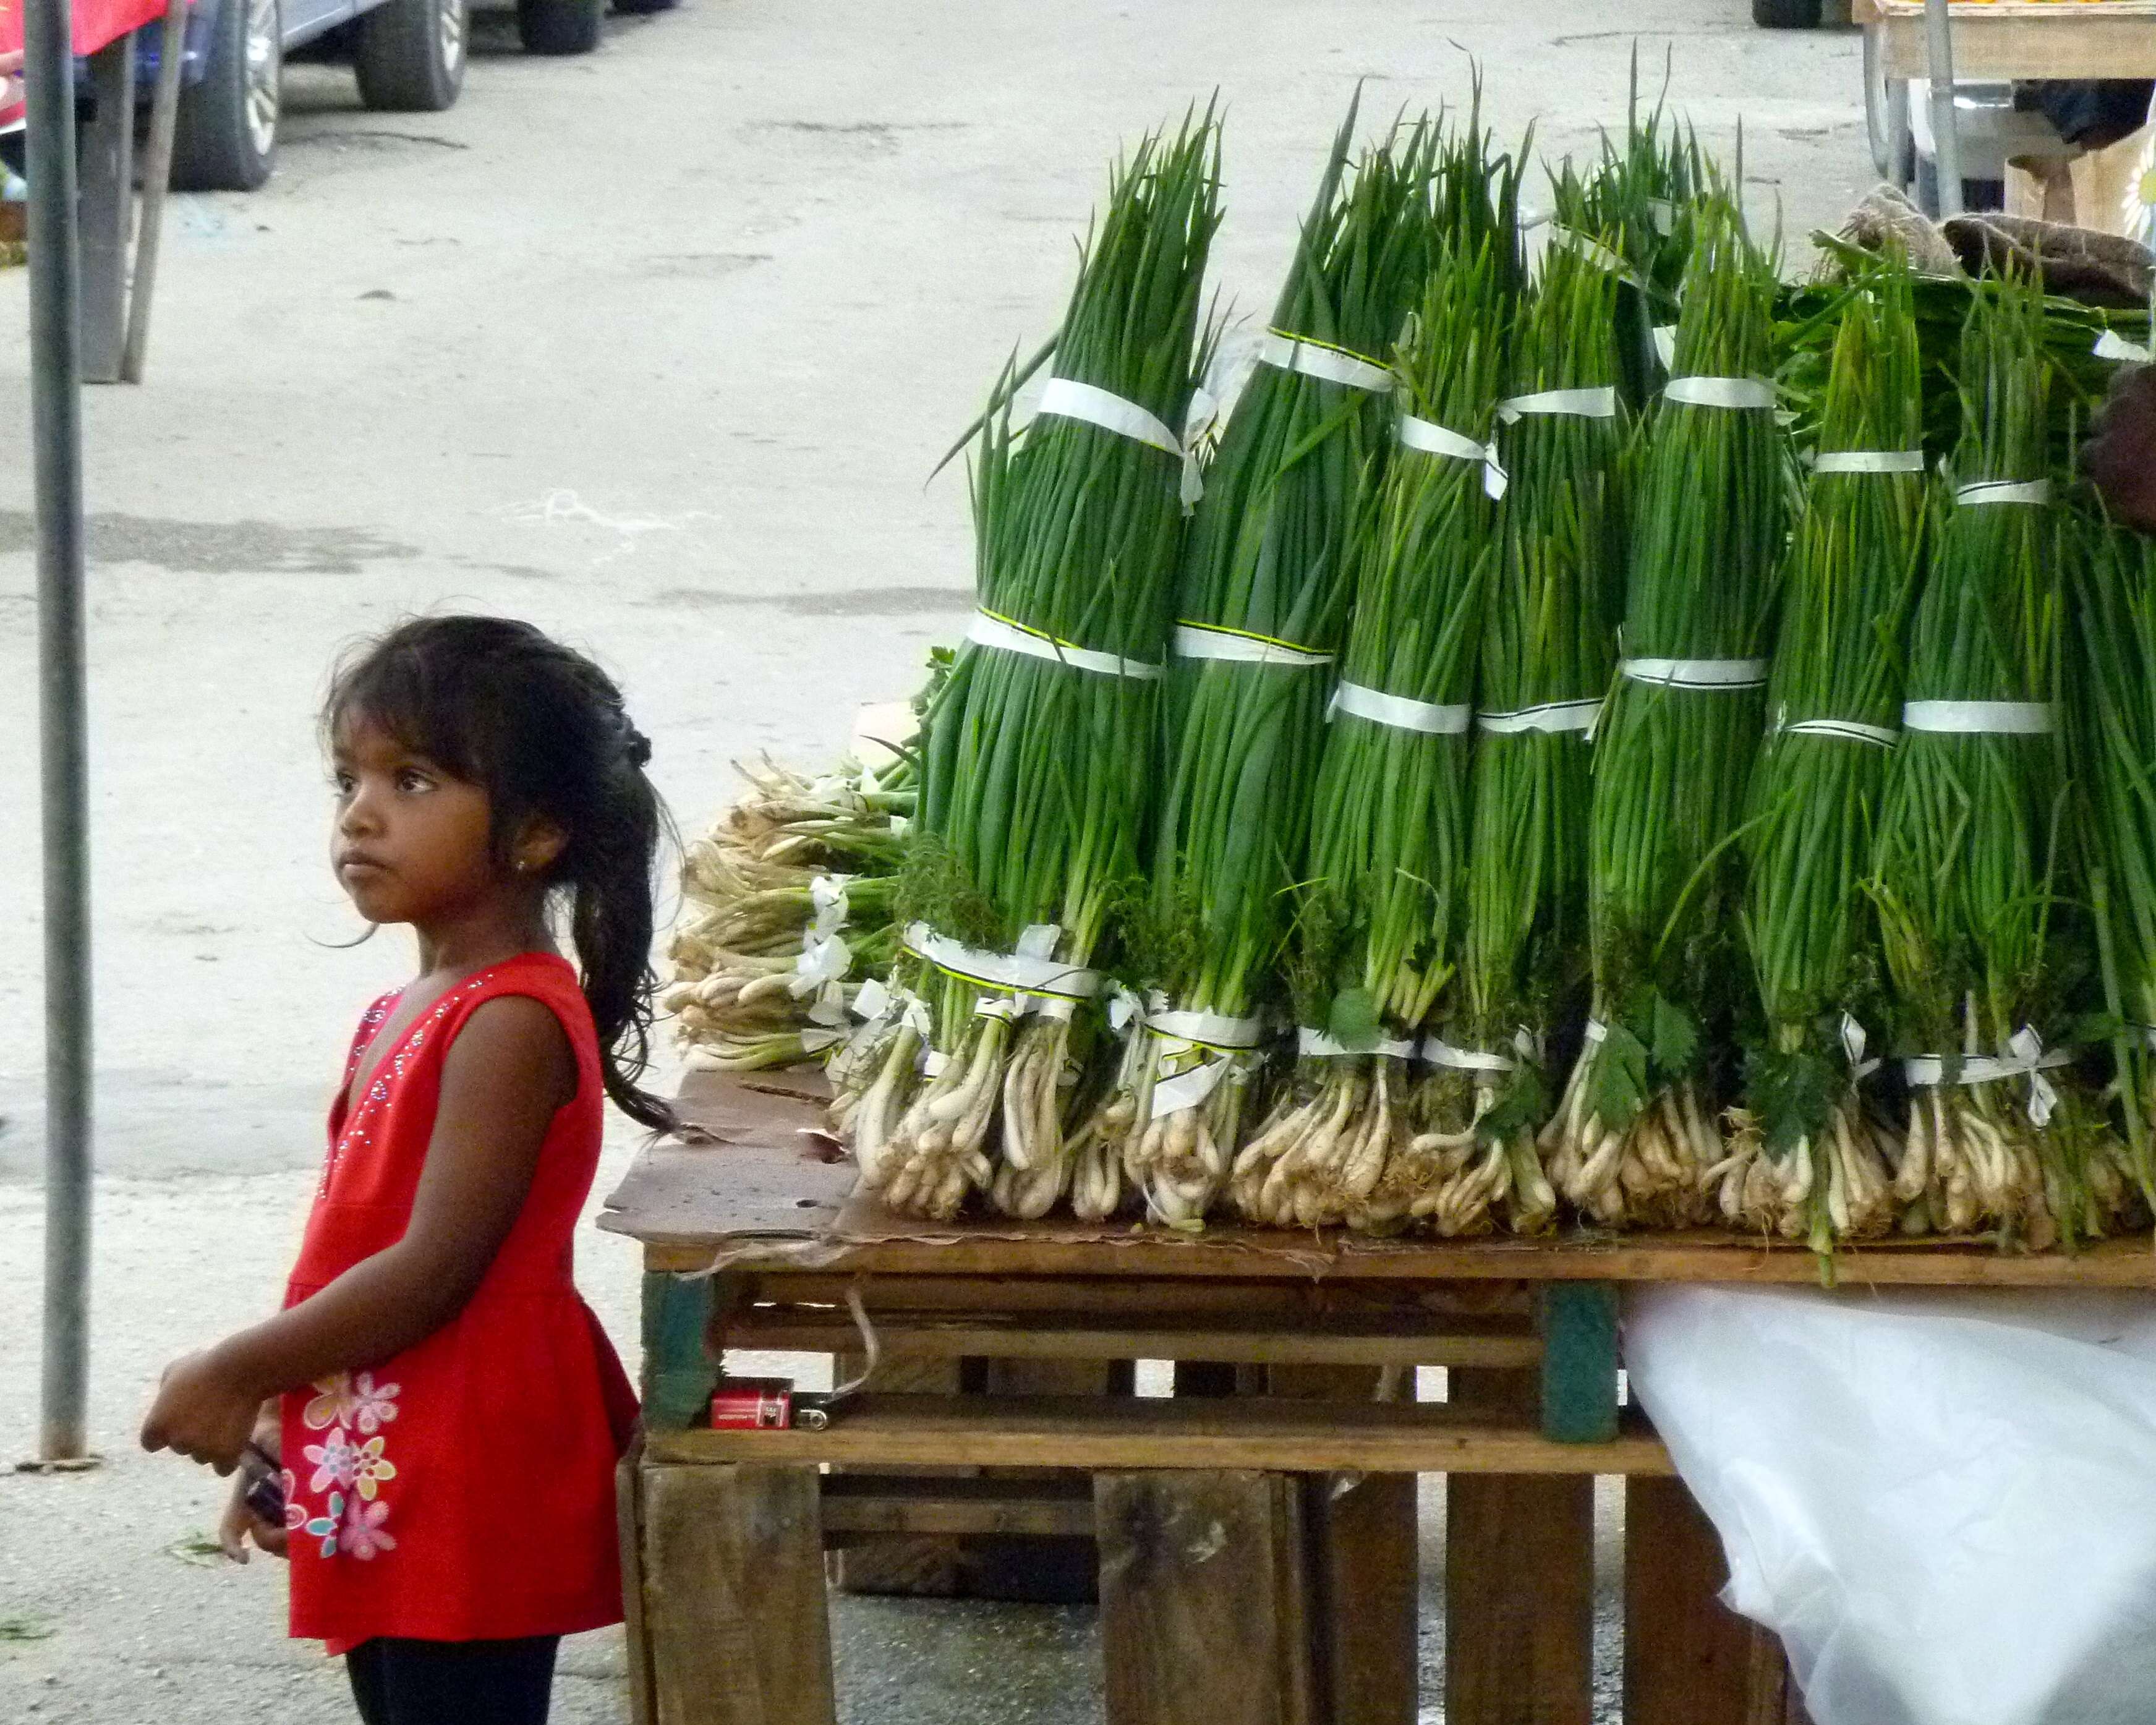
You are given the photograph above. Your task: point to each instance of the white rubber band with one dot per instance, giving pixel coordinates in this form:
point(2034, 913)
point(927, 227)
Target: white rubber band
point(2111, 345)
point(1011, 638)
point(1665, 336)
point(1549, 715)
point(1206, 1030)
point(1328, 365)
point(1020, 973)
point(1720, 392)
point(1982, 718)
point(1318, 1045)
point(1848, 729)
point(1073, 400)
point(2037, 492)
point(1430, 439)
point(1438, 1052)
point(1868, 461)
point(1198, 640)
point(1582, 403)
point(1399, 713)
point(2026, 1058)
point(1729, 674)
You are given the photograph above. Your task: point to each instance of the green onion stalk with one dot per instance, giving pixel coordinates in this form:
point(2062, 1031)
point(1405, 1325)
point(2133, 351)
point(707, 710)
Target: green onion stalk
point(1031, 813)
point(1549, 652)
point(1635, 1134)
point(788, 910)
point(1383, 891)
point(1807, 1157)
point(1971, 901)
point(2114, 713)
point(1265, 575)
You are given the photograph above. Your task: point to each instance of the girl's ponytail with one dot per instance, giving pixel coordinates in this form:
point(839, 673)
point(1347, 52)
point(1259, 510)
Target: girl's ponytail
point(542, 729)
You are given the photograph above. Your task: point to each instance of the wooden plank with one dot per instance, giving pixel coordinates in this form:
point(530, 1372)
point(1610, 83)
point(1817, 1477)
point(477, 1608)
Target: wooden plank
point(1098, 1432)
point(628, 1525)
point(1519, 1560)
point(1053, 1571)
point(2004, 41)
point(860, 1506)
point(1495, 1343)
point(1365, 1598)
point(679, 1366)
point(1688, 1658)
point(1579, 1323)
point(106, 207)
point(930, 1565)
point(1117, 1299)
point(1203, 1609)
point(733, 1596)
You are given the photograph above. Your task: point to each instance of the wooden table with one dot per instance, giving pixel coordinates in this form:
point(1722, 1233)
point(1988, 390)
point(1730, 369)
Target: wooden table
point(2006, 39)
point(1281, 1343)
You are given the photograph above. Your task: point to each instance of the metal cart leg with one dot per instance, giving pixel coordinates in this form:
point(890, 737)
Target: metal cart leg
point(107, 210)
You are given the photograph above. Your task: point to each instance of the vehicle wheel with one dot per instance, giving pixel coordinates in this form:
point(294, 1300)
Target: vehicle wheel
point(226, 134)
point(558, 26)
point(1787, 14)
point(409, 55)
point(636, 8)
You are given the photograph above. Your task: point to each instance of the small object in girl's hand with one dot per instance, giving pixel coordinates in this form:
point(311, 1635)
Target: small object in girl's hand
point(264, 1493)
point(759, 1403)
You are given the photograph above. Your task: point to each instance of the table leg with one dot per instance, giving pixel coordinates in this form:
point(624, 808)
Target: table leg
point(1689, 1660)
point(1519, 1581)
point(734, 1608)
point(106, 206)
point(1578, 1324)
point(1204, 1608)
point(679, 1367)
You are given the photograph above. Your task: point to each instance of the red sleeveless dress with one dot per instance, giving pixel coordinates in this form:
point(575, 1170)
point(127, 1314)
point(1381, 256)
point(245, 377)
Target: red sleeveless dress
point(464, 1489)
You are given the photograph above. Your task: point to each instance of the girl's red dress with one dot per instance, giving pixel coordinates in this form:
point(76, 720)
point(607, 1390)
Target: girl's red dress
point(463, 1490)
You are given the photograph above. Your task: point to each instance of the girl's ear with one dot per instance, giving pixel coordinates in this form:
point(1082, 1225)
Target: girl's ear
point(538, 844)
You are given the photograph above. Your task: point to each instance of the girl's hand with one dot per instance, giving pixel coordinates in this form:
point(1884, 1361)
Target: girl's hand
point(241, 1524)
point(203, 1411)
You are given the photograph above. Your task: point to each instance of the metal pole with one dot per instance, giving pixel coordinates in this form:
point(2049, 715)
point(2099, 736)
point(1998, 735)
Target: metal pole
point(56, 439)
point(1946, 127)
point(156, 175)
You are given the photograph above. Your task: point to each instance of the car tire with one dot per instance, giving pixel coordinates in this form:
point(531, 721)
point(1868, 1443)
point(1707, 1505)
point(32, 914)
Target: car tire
point(558, 26)
point(225, 136)
point(410, 55)
point(1787, 14)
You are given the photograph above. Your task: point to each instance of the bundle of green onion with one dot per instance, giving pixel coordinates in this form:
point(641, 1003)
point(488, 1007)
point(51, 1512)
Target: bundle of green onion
point(1548, 651)
point(1031, 813)
point(1971, 903)
point(1383, 888)
point(1263, 602)
point(1635, 1134)
point(1807, 1158)
point(2115, 734)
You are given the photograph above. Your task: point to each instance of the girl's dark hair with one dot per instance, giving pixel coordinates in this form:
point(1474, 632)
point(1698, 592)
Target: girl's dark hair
point(541, 729)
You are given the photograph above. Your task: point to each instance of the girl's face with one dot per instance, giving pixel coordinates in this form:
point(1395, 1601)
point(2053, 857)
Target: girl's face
point(411, 842)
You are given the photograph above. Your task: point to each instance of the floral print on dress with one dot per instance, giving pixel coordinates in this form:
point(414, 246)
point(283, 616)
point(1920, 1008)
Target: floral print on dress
point(333, 1403)
point(363, 1534)
point(370, 1468)
point(328, 1525)
point(295, 1513)
point(337, 1461)
point(376, 1403)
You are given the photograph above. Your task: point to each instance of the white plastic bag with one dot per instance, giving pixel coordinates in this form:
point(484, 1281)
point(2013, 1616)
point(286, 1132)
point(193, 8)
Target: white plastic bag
point(1944, 1502)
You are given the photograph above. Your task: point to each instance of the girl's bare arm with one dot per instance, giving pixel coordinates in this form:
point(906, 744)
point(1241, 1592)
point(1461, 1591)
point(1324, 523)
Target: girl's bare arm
point(508, 1070)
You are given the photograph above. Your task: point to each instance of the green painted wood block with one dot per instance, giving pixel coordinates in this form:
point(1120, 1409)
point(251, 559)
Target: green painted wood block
point(680, 1368)
point(1578, 1325)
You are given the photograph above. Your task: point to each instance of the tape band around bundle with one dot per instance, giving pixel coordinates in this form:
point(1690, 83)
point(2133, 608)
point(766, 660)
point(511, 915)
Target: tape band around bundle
point(2111, 345)
point(1316, 1044)
point(2026, 1057)
point(1550, 716)
point(2036, 493)
point(1205, 640)
point(1982, 718)
point(1428, 438)
point(1436, 1051)
point(1037, 976)
point(1070, 399)
point(1665, 338)
point(1587, 247)
point(1599, 403)
point(1323, 361)
point(1734, 393)
point(1199, 1051)
point(1398, 713)
point(1206, 1030)
point(1847, 730)
point(991, 630)
point(1868, 461)
point(1730, 674)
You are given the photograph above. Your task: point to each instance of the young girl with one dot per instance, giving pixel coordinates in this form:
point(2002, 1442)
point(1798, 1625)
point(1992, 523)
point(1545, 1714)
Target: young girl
point(447, 1410)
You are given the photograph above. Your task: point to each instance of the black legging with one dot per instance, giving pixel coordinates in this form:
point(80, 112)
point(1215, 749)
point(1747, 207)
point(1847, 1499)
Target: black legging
point(403, 1682)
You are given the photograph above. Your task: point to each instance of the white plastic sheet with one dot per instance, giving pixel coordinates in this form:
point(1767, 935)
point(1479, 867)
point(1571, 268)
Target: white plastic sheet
point(1944, 1502)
